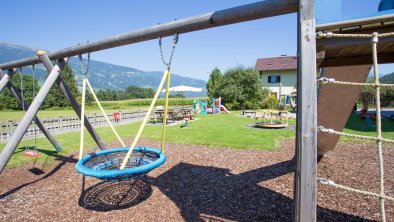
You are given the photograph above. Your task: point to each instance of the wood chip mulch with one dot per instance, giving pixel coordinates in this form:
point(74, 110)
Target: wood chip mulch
point(200, 184)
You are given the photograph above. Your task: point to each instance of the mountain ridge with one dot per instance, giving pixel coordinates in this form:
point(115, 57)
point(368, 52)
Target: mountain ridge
point(106, 75)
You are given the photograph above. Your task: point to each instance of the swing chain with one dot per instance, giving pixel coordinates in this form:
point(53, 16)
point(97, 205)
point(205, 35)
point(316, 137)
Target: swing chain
point(84, 68)
point(35, 117)
point(21, 89)
point(174, 42)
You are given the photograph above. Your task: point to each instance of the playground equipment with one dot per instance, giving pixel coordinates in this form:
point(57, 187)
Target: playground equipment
point(217, 106)
point(200, 107)
point(288, 100)
point(272, 119)
point(374, 38)
point(342, 53)
point(31, 151)
point(125, 163)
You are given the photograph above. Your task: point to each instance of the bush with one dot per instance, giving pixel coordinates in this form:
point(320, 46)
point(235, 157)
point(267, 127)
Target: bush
point(239, 88)
point(387, 98)
point(271, 103)
point(366, 98)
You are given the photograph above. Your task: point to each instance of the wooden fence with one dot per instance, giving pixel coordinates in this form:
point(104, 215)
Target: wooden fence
point(63, 124)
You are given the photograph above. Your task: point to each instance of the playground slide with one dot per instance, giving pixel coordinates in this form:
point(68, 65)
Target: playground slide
point(224, 109)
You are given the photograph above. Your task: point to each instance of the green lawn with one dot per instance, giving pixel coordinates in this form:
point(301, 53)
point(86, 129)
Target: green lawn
point(211, 130)
point(222, 130)
point(355, 125)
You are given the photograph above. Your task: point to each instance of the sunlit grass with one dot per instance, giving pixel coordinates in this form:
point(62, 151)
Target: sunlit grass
point(224, 130)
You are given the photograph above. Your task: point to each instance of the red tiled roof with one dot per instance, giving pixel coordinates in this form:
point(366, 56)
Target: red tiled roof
point(276, 63)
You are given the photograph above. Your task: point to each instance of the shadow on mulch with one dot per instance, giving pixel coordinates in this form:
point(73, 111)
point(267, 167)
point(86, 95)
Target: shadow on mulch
point(210, 193)
point(63, 162)
point(108, 196)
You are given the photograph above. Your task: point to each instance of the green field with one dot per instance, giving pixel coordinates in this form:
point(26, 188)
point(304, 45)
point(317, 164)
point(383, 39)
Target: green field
point(231, 131)
point(355, 125)
point(210, 130)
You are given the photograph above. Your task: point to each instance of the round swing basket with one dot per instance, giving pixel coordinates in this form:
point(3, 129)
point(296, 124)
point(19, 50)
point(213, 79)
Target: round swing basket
point(106, 164)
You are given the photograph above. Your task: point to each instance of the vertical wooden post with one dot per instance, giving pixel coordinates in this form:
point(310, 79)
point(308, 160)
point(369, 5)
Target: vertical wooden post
point(306, 136)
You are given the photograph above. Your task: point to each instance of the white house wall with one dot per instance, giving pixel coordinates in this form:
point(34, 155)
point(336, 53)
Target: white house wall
point(288, 79)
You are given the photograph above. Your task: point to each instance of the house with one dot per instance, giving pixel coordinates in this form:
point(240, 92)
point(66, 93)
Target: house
point(278, 74)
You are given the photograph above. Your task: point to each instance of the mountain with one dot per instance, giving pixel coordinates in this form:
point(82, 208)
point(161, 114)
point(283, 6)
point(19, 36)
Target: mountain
point(102, 75)
point(387, 79)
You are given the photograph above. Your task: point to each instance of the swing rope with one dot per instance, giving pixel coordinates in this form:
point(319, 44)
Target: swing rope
point(85, 82)
point(166, 77)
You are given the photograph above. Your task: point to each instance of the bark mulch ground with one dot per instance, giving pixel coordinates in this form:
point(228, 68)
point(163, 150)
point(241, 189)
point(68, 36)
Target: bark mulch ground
point(200, 184)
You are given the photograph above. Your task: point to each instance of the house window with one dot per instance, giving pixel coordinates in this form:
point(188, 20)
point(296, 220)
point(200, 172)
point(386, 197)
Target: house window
point(273, 79)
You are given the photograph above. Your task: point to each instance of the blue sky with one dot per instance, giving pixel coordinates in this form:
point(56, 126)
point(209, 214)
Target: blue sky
point(53, 25)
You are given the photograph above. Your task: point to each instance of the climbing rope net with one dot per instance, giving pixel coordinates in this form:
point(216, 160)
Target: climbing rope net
point(379, 139)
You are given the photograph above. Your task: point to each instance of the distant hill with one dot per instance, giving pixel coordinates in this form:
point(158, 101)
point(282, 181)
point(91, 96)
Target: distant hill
point(103, 75)
point(387, 79)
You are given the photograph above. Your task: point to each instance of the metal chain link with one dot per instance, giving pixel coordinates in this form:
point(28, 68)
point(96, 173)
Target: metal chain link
point(35, 117)
point(84, 68)
point(325, 80)
point(174, 43)
point(21, 89)
point(333, 184)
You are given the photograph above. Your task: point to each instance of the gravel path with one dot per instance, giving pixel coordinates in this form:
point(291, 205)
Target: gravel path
point(200, 184)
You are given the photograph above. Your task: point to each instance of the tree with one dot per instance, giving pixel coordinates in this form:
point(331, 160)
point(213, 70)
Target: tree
point(240, 88)
point(213, 83)
point(387, 98)
point(8, 101)
point(55, 96)
point(139, 93)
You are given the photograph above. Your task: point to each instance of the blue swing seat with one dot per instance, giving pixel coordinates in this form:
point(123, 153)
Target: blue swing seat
point(106, 164)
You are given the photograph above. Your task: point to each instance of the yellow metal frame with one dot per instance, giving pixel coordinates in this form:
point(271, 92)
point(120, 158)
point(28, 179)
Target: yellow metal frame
point(84, 84)
point(166, 76)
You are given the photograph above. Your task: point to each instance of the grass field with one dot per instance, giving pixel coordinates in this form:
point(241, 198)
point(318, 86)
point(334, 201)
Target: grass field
point(223, 130)
point(210, 130)
point(355, 125)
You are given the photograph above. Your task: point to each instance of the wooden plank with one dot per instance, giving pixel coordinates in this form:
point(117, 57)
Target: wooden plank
point(336, 102)
point(356, 60)
point(338, 43)
point(306, 138)
point(356, 22)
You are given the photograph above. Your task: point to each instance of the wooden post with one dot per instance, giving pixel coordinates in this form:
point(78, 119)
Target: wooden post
point(5, 78)
point(24, 124)
point(15, 92)
point(306, 138)
point(73, 102)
